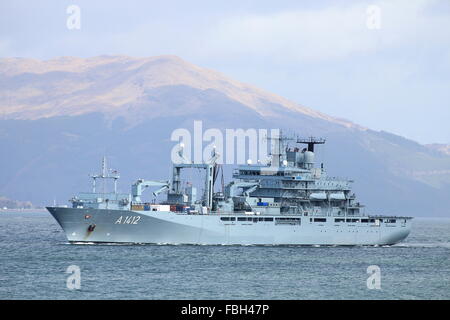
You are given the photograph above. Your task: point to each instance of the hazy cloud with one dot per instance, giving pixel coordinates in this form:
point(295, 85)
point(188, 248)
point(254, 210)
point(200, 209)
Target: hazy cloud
point(319, 54)
point(329, 33)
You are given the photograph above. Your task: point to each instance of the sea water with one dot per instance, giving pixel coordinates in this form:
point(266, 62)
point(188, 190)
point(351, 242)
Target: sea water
point(35, 255)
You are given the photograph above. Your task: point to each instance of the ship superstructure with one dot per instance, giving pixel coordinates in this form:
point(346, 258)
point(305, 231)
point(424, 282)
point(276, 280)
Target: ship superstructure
point(284, 201)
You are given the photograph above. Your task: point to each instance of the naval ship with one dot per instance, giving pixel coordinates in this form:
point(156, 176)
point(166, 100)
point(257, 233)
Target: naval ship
point(286, 201)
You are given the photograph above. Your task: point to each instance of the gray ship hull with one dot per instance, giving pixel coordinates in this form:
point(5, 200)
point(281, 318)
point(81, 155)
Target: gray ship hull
point(126, 226)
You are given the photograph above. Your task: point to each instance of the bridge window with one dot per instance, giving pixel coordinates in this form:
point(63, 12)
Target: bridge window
point(227, 218)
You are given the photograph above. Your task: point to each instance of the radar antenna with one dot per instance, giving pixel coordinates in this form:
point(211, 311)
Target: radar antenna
point(311, 141)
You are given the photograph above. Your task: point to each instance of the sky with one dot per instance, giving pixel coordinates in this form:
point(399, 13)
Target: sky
point(382, 64)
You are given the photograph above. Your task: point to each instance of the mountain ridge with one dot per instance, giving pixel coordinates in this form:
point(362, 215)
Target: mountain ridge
point(172, 70)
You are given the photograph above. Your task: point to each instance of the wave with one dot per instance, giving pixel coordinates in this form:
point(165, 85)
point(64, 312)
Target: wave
point(423, 245)
point(398, 245)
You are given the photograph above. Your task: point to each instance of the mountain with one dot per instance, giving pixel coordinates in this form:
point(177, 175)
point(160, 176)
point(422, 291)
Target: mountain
point(59, 117)
point(121, 86)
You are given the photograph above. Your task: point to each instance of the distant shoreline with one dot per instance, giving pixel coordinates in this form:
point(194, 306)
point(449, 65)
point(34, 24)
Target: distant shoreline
point(23, 210)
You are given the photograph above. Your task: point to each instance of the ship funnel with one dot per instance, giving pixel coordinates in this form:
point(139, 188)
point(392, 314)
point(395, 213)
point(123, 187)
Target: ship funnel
point(309, 159)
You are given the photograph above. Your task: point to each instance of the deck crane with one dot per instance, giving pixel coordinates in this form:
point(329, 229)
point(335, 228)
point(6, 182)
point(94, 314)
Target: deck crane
point(138, 187)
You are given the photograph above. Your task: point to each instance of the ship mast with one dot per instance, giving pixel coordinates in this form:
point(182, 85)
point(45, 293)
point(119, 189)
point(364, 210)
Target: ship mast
point(277, 147)
point(105, 175)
